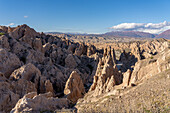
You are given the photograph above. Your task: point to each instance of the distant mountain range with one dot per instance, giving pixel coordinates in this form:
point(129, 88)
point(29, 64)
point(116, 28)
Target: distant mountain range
point(67, 33)
point(135, 34)
point(165, 34)
point(127, 34)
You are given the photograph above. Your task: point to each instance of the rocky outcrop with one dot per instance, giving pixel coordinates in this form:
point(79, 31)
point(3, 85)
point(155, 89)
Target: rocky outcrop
point(49, 86)
point(151, 66)
point(34, 103)
point(80, 50)
point(22, 87)
point(155, 46)
point(114, 56)
point(8, 62)
point(50, 66)
point(135, 50)
point(128, 61)
point(47, 47)
point(70, 61)
point(8, 99)
point(74, 88)
point(24, 32)
point(107, 75)
point(34, 57)
point(4, 29)
point(163, 60)
point(71, 48)
point(37, 44)
point(126, 77)
point(36, 62)
point(57, 77)
point(4, 42)
point(91, 50)
point(27, 72)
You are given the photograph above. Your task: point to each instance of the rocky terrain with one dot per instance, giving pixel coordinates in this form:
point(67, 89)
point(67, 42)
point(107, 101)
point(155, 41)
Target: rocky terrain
point(144, 87)
point(43, 73)
point(33, 64)
point(107, 39)
point(101, 40)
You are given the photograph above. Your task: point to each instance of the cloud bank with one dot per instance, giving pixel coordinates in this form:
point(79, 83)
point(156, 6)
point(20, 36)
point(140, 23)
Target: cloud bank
point(154, 28)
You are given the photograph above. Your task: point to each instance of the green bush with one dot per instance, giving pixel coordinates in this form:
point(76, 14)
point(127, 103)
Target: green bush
point(151, 57)
point(2, 34)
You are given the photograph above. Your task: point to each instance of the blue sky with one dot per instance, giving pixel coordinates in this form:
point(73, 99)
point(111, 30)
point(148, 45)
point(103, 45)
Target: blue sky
point(90, 16)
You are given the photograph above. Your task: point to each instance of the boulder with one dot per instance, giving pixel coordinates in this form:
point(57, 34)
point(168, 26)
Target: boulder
point(49, 86)
point(34, 103)
point(70, 61)
point(35, 57)
point(126, 77)
point(18, 48)
point(22, 87)
point(27, 72)
point(8, 99)
point(8, 62)
point(4, 42)
point(55, 75)
point(37, 44)
point(74, 88)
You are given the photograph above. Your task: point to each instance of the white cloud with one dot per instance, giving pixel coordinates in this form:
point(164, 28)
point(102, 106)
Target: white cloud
point(155, 28)
point(25, 16)
point(10, 24)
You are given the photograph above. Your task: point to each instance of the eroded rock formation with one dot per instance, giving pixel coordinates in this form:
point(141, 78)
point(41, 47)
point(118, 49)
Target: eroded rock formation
point(38, 68)
point(32, 102)
point(36, 62)
point(151, 66)
point(74, 88)
point(9, 62)
point(107, 75)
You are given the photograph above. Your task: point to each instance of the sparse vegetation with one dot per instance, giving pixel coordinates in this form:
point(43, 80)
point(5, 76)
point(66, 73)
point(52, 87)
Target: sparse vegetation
point(2, 34)
point(151, 57)
point(146, 110)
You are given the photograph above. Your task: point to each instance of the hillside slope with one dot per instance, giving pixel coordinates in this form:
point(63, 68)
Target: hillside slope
point(144, 89)
point(165, 34)
point(150, 96)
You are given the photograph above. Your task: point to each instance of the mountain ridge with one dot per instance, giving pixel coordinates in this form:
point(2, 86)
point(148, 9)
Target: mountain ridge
point(165, 34)
point(123, 34)
point(135, 34)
